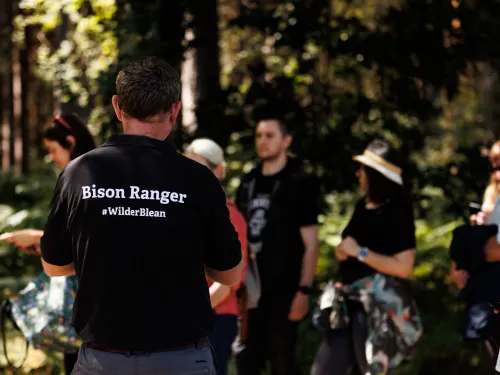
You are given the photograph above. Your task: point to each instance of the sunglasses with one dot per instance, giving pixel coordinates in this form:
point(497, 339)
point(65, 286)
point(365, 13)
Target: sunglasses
point(60, 120)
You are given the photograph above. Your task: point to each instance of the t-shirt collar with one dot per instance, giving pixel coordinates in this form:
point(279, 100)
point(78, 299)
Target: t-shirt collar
point(137, 140)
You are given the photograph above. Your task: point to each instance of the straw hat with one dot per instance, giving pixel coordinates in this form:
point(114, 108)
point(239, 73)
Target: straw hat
point(381, 165)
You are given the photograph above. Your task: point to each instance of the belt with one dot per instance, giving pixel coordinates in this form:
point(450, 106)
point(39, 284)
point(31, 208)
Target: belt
point(103, 348)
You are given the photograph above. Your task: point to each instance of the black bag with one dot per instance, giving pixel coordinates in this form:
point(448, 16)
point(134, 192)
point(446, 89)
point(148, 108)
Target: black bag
point(331, 309)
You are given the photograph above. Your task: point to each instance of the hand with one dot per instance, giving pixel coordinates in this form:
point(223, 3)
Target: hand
point(32, 250)
point(22, 238)
point(482, 218)
point(299, 308)
point(350, 247)
point(341, 255)
point(460, 277)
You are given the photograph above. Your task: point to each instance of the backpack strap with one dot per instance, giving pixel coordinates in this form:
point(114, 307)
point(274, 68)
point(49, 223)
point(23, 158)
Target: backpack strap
point(6, 313)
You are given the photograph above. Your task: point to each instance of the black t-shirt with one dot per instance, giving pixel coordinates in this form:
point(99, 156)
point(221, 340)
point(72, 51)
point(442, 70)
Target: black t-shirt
point(258, 209)
point(293, 200)
point(139, 222)
point(388, 230)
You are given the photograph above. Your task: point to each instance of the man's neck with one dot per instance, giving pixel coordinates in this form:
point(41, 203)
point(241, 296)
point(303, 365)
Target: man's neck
point(150, 130)
point(271, 167)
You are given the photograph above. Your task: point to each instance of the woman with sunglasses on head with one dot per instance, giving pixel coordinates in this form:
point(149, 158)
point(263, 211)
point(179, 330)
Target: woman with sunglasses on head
point(378, 242)
point(65, 138)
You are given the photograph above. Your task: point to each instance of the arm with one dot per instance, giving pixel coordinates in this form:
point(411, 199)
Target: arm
point(54, 271)
point(308, 220)
point(309, 235)
point(222, 258)
point(228, 277)
point(459, 277)
point(24, 238)
point(492, 250)
point(218, 293)
point(400, 264)
point(57, 255)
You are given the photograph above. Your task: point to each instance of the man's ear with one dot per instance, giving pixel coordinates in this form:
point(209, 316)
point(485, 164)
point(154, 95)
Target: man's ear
point(176, 107)
point(116, 107)
point(72, 141)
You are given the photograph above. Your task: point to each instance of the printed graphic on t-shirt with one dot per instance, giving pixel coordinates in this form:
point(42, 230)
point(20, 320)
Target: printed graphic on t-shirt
point(259, 207)
point(133, 193)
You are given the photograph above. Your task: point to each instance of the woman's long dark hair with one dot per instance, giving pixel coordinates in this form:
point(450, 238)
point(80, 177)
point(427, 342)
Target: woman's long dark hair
point(380, 188)
point(69, 124)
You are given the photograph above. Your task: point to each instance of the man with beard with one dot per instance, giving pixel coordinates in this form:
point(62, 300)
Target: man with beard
point(281, 203)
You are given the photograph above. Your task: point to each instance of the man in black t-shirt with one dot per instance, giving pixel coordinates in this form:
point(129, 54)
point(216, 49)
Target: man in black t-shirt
point(281, 204)
point(141, 225)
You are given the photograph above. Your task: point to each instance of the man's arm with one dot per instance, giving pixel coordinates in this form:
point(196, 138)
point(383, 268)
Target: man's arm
point(222, 258)
point(57, 255)
point(54, 271)
point(218, 293)
point(228, 277)
point(492, 250)
point(309, 236)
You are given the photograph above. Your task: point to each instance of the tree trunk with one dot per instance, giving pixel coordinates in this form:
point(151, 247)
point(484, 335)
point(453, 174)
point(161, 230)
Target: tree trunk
point(201, 72)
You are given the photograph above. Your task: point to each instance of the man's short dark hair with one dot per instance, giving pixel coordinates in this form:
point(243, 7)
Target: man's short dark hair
point(147, 87)
point(281, 123)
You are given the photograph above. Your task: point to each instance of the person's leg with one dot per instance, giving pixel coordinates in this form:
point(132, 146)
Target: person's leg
point(251, 354)
point(282, 344)
point(69, 360)
point(335, 354)
point(226, 328)
point(359, 336)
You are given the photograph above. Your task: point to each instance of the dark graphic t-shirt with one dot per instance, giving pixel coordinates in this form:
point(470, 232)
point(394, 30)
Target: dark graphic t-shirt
point(388, 230)
point(276, 208)
point(258, 210)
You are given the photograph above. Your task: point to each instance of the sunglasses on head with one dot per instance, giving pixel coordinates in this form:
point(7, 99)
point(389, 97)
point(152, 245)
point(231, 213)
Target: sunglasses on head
point(60, 120)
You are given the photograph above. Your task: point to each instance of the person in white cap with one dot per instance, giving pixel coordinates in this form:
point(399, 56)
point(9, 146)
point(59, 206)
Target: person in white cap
point(380, 238)
point(223, 298)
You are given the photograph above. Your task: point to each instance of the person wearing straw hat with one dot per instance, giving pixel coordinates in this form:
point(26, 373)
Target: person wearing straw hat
point(223, 298)
point(379, 239)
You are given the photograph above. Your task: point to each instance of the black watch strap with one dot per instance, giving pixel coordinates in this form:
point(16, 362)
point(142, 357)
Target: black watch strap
point(305, 289)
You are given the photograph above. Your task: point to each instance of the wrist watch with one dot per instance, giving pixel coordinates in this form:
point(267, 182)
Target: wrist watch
point(305, 289)
point(363, 254)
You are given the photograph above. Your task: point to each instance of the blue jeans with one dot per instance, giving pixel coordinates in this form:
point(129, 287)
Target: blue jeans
point(226, 329)
point(198, 360)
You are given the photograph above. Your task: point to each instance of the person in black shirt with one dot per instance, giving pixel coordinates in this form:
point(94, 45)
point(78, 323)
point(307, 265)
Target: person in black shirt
point(281, 203)
point(140, 225)
point(380, 237)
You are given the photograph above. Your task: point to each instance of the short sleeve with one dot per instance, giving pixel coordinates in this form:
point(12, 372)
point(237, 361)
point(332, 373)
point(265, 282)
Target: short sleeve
point(223, 249)
point(310, 201)
point(55, 242)
point(405, 224)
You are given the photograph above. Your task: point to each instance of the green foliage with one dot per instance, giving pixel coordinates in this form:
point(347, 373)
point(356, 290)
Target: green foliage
point(341, 73)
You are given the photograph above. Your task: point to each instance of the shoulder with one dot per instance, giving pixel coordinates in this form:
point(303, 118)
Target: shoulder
point(402, 207)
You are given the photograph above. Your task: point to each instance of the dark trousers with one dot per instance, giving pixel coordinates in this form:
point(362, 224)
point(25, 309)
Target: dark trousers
point(197, 360)
point(69, 362)
point(226, 329)
point(341, 348)
point(270, 337)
